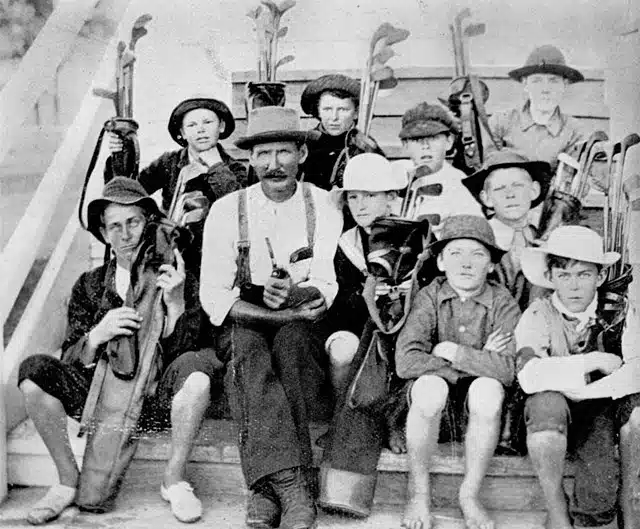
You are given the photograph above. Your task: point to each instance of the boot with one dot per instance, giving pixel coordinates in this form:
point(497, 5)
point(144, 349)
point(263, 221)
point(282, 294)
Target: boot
point(263, 507)
point(292, 489)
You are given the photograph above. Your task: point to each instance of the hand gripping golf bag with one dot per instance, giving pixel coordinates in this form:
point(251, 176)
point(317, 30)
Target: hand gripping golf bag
point(125, 375)
point(395, 258)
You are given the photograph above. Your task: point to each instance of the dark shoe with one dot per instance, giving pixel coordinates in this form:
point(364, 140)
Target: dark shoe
point(298, 508)
point(263, 508)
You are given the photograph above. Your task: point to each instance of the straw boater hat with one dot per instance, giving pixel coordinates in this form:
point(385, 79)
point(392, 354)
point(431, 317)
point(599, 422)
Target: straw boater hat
point(368, 172)
point(267, 124)
point(217, 106)
point(121, 190)
point(426, 120)
point(313, 91)
point(468, 227)
point(547, 59)
point(540, 172)
point(574, 242)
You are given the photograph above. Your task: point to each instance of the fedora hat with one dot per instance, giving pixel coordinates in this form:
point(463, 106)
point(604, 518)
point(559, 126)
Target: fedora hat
point(368, 172)
point(215, 105)
point(313, 91)
point(540, 172)
point(121, 190)
point(546, 59)
point(573, 242)
point(426, 120)
point(468, 227)
point(267, 124)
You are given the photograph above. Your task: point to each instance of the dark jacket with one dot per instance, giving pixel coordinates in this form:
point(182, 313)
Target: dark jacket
point(94, 294)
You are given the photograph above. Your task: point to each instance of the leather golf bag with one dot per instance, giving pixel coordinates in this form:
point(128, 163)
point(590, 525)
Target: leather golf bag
point(125, 375)
point(559, 209)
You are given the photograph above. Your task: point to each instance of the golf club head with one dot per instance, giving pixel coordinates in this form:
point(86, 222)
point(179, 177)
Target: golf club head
point(461, 15)
point(381, 74)
point(138, 31)
point(473, 30)
point(383, 55)
point(388, 84)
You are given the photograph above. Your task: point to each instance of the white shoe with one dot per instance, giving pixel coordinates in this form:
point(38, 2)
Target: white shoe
point(51, 505)
point(184, 504)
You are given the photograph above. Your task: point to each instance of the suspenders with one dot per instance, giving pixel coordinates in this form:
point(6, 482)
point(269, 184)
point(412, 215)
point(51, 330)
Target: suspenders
point(243, 274)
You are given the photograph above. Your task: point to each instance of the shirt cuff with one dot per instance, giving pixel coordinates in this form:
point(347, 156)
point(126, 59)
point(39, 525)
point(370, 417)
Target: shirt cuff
point(219, 308)
point(328, 290)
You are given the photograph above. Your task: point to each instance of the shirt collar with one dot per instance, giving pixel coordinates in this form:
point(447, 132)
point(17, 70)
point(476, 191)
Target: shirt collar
point(504, 233)
point(484, 297)
point(554, 126)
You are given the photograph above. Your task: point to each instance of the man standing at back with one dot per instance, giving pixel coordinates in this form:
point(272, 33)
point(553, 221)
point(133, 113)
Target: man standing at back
point(267, 281)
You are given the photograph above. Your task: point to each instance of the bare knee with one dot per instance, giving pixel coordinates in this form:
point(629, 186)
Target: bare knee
point(429, 395)
point(197, 385)
point(485, 397)
point(341, 347)
point(545, 441)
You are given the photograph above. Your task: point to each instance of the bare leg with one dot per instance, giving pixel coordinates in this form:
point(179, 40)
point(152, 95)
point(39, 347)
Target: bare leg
point(485, 399)
point(428, 399)
point(50, 420)
point(630, 459)
point(548, 450)
point(187, 412)
point(341, 346)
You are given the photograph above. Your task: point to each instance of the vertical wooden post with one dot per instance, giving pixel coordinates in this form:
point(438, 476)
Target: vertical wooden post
point(3, 429)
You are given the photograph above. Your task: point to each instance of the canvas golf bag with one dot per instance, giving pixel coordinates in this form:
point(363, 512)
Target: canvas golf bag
point(125, 375)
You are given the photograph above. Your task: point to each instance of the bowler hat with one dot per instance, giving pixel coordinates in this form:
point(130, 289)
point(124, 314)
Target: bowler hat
point(573, 242)
point(371, 172)
point(540, 172)
point(468, 227)
point(547, 59)
point(425, 120)
point(215, 105)
point(313, 91)
point(121, 190)
point(267, 124)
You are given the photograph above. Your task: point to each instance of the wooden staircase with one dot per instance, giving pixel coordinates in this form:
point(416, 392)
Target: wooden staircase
point(510, 488)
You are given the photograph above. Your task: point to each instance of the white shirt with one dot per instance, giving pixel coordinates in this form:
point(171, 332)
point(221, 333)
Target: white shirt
point(455, 198)
point(285, 225)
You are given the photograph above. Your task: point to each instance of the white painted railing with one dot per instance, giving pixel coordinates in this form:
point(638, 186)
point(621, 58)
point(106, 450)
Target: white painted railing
point(17, 99)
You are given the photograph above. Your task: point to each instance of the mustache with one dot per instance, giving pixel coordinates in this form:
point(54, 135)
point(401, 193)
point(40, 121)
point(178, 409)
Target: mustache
point(275, 173)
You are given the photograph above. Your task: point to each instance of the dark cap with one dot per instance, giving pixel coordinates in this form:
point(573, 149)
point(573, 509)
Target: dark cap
point(313, 91)
point(540, 172)
point(425, 120)
point(221, 110)
point(468, 227)
point(546, 59)
point(121, 190)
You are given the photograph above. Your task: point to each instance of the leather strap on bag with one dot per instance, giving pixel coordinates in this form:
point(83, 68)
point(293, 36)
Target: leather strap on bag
point(476, 91)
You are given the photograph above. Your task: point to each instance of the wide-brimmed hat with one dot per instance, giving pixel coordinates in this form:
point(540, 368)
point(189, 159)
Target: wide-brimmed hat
point(426, 120)
point(217, 106)
point(121, 190)
point(540, 172)
point(368, 172)
point(547, 59)
point(468, 227)
point(267, 124)
point(573, 242)
point(313, 91)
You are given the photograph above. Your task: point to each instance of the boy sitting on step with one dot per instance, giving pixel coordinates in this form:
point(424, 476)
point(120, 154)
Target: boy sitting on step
point(509, 186)
point(427, 134)
point(561, 364)
point(458, 350)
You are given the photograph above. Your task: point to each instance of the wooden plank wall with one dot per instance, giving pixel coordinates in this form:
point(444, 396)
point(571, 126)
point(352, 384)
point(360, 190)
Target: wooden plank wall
point(584, 100)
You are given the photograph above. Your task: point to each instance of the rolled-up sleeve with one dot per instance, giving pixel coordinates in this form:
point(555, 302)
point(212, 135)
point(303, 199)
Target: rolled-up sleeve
point(322, 274)
point(219, 254)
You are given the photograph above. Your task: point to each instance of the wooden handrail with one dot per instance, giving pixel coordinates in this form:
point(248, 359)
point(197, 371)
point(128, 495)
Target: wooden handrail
point(38, 67)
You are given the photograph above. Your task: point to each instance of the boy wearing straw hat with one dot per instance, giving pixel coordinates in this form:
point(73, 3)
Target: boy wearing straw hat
point(581, 397)
point(458, 350)
point(539, 128)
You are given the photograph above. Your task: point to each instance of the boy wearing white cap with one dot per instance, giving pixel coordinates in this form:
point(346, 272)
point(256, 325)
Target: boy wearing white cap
point(571, 405)
point(352, 448)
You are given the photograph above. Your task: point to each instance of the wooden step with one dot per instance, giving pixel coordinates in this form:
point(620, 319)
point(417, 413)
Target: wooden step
point(215, 468)
point(145, 510)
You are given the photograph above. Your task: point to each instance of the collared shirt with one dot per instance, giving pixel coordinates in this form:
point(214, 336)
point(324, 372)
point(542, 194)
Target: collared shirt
point(438, 314)
point(285, 224)
point(516, 129)
point(455, 198)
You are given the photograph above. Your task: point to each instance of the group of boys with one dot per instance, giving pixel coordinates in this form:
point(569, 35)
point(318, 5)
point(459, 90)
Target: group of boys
point(288, 327)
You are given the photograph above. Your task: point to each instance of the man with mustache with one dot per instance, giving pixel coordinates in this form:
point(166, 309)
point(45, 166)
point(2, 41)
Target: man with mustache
point(267, 281)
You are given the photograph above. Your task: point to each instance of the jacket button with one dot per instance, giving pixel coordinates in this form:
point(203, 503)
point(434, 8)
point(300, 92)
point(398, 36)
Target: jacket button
point(462, 328)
